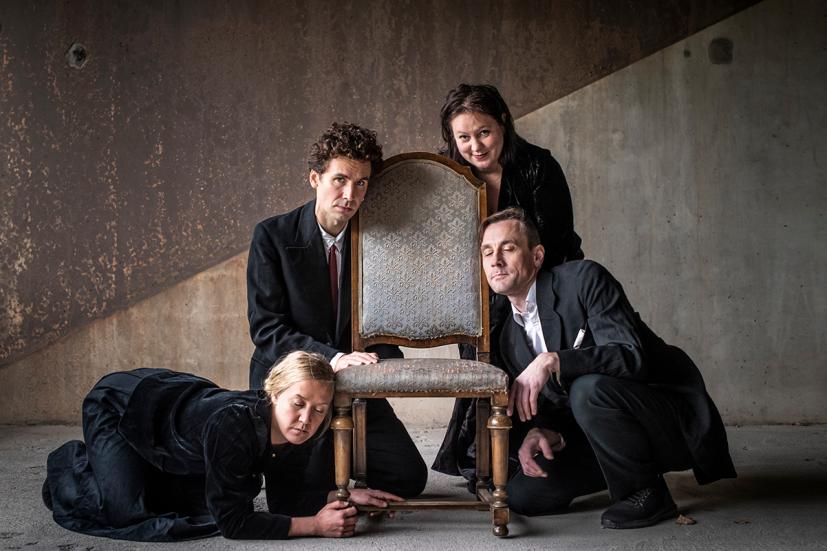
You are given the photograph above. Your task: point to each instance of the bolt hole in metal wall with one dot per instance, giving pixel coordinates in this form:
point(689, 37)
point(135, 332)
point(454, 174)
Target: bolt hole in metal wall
point(77, 55)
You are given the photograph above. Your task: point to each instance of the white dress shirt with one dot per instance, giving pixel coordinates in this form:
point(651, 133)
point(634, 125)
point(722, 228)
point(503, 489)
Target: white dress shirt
point(530, 321)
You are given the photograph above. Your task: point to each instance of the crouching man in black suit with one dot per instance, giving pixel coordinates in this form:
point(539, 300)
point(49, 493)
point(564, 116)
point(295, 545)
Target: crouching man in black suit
point(298, 298)
point(601, 400)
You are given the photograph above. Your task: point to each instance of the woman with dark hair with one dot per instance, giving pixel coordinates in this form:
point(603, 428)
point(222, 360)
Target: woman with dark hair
point(478, 131)
point(170, 456)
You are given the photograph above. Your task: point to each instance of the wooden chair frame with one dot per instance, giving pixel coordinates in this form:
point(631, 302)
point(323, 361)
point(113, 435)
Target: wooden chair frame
point(492, 423)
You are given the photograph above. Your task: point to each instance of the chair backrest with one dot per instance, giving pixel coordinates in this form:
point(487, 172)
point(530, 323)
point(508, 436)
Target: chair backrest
point(416, 271)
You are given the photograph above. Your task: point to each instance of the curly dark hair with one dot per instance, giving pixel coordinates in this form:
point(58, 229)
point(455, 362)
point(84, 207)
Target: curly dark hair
point(345, 140)
point(478, 98)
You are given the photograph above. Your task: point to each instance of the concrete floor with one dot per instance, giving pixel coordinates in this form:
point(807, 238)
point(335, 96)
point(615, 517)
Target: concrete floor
point(779, 501)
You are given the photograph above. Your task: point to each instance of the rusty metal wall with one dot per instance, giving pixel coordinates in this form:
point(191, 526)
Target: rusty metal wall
point(147, 153)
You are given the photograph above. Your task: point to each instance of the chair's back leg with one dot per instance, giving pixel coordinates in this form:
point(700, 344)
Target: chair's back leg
point(483, 443)
point(360, 467)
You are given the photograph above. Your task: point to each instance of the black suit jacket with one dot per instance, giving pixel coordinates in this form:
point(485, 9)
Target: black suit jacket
point(288, 293)
point(583, 295)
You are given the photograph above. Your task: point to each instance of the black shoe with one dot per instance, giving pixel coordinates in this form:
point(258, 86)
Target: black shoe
point(642, 508)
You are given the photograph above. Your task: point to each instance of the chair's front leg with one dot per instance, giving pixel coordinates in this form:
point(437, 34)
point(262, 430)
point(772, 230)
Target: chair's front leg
point(342, 426)
point(499, 424)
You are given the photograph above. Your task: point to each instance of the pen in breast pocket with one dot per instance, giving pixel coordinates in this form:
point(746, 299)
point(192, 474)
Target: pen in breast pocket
point(579, 339)
point(577, 342)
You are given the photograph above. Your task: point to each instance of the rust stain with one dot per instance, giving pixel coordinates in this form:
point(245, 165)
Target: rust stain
point(186, 127)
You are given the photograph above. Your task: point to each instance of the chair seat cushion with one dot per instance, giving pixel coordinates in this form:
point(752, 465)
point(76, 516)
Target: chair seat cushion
point(420, 376)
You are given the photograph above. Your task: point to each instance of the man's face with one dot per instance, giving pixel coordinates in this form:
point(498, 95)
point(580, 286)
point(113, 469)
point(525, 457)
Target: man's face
point(340, 189)
point(510, 266)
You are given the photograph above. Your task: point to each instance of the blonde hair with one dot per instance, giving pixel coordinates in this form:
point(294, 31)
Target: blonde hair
point(296, 367)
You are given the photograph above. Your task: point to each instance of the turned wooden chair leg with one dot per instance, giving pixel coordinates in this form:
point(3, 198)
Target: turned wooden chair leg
point(499, 424)
point(360, 466)
point(483, 444)
point(342, 426)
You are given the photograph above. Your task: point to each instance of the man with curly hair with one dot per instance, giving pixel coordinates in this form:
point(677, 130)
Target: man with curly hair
point(298, 298)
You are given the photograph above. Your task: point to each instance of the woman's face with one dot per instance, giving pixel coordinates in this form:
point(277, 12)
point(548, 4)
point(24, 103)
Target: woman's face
point(479, 139)
point(300, 410)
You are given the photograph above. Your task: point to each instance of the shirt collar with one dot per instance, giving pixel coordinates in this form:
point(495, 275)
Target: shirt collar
point(530, 306)
point(329, 240)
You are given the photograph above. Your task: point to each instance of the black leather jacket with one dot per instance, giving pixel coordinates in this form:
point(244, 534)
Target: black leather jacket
point(536, 183)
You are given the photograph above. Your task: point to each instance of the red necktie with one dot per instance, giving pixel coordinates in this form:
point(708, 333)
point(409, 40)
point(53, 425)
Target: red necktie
point(333, 267)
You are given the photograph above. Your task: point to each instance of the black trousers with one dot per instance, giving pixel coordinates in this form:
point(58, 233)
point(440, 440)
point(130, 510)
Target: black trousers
point(625, 436)
point(393, 462)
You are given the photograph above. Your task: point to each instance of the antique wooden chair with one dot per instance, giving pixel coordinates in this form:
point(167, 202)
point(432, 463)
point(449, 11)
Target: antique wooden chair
point(418, 282)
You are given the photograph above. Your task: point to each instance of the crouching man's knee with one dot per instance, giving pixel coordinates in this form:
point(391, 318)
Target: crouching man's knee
point(590, 396)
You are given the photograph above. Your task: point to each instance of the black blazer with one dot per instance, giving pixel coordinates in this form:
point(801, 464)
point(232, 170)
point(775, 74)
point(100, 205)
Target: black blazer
point(583, 295)
point(288, 293)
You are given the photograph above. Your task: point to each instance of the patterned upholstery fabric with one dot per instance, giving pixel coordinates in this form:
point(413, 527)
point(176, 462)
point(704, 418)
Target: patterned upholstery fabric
point(411, 375)
point(420, 267)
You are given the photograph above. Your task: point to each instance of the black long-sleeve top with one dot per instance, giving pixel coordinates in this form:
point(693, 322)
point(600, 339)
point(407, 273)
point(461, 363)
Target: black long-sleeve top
point(534, 181)
point(185, 425)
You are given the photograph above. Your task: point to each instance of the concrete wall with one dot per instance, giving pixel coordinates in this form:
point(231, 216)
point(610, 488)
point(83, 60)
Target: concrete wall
point(198, 325)
point(703, 187)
